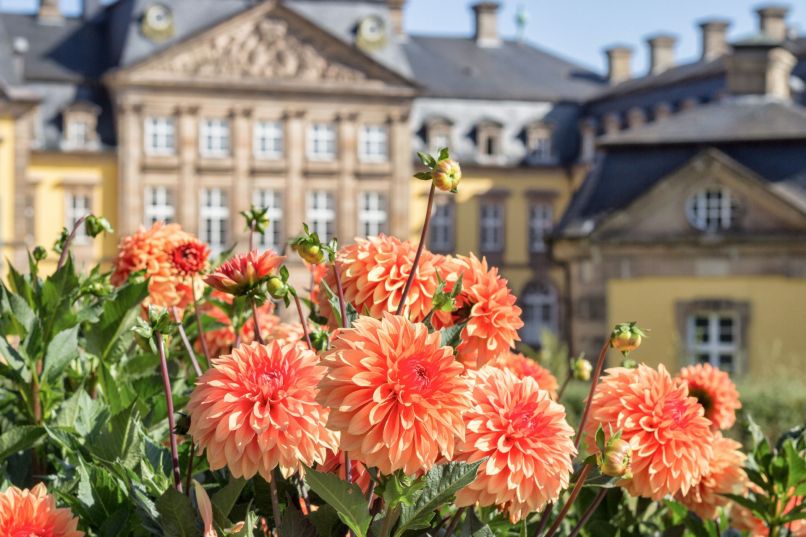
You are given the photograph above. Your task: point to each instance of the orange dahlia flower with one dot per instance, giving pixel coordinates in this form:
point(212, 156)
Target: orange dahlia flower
point(488, 306)
point(334, 464)
point(526, 367)
point(396, 395)
point(244, 272)
point(373, 272)
point(190, 257)
point(33, 513)
point(150, 250)
point(255, 410)
point(669, 434)
point(724, 475)
point(318, 272)
point(526, 439)
point(715, 391)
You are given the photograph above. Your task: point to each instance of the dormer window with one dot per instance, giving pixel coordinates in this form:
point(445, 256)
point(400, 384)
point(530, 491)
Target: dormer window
point(538, 141)
point(713, 208)
point(80, 121)
point(438, 134)
point(488, 140)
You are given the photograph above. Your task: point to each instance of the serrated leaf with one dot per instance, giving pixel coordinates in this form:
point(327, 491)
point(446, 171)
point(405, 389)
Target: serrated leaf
point(110, 337)
point(19, 438)
point(426, 159)
point(119, 441)
point(346, 498)
point(326, 520)
point(473, 527)
point(80, 413)
point(451, 336)
point(15, 366)
point(224, 499)
point(796, 464)
point(22, 316)
point(442, 482)
point(62, 350)
point(444, 154)
point(177, 518)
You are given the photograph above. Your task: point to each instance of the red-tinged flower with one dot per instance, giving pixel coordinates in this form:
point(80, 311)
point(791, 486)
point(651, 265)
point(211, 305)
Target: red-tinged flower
point(334, 464)
point(488, 307)
point(189, 258)
point(33, 513)
point(318, 272)
point(715, 391)
point(150, 250)
point(526, 440)
point(244, 272)
point(669, 434)
point(724, 476)
point(526, 367)
point(373, 272)
point(396, 394)
point(255, 410)
point(272, 328)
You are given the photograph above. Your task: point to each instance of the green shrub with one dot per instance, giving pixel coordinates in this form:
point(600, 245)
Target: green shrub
point(776, 404)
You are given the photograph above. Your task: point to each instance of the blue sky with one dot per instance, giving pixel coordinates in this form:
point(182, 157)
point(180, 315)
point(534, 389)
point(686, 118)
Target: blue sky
point(577, 29)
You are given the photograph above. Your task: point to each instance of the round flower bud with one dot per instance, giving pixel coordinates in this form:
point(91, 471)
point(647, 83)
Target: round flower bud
point(582, 369)
point(616, 459)
point(626, 337)
point(275, 287)
point(40, 253)
point(447, 175)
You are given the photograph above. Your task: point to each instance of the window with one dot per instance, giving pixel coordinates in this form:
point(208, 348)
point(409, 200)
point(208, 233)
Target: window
point(321, 214)
point(712, 209)
point(713, 338)
point(488, 139)
point(214, 217)
point(438, 140)
point(374, 143)
point(492, 226)
point(322, 141)
point(160, 138)
point(541, 217)
point(441, 230)
point(540, 146)
point(273, 201)
point(78, 206)
point(78, 133)
point(268, 139)
point(539, 304)
point(214, 138)
point(159, 205)
point(372, 213)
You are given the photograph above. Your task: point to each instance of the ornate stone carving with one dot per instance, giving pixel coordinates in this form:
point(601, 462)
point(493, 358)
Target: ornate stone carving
point(264, 48)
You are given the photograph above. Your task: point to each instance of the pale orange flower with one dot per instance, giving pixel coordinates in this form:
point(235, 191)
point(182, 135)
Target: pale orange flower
point(526, 440)
point(488, 306)
point(724, 475)
point(33, 513)
point(396, 395)
point(743, 519)
point(272, 328)
point(669, 434)
point(255, 410)
point(526, 367)
point(244, 272)
point(318, 272)
point(334, 464)
point(151, 250)
point(715, 391)
point(373, 272)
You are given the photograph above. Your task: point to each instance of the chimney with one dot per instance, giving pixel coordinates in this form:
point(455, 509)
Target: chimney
point(19, 47)
point(759, 69)
point(618, 64)
point(487, 24)
point(714, 38)
point(661, 52)
point(395, 17)
point(49, 12)
point(772, 21)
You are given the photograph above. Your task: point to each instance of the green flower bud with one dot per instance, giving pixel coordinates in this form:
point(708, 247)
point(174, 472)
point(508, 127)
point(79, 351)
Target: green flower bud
point(626, 337)
point(447, 175)
point(40, 253)
point(582, 369)
point(615, 461)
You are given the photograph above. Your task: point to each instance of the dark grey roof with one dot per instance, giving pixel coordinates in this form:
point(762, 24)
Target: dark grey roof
point(736, 119)
point(458, 68)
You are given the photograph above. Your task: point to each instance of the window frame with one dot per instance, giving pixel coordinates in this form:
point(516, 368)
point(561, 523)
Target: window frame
point(548, 216)
point(321, 220)
point(218, 132)
point(709, 217)
point(714, 348)
point(500, 246)
point(161, 212)
point(322, 132)
point(261, 131)
point(218, 215)
point(536, 296)
point(373, 220)
point(73, 214)
point(274, 214)
point(373, 135)
point(155, 128)
point(439, 221)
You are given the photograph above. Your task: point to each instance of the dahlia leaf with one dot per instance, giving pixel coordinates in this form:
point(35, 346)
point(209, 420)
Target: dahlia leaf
point(346, 498)
point(62, 350)
point(796, 464)
point(451, 335)
point(19, 438)
point(119, 440)
point(442, 482)
point(326, 520)
point(295, 524)
point(177, 517)
point(224, 499)
point(110, 337)
point(473, 527)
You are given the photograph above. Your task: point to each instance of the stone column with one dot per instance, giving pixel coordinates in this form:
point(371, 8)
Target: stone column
point(294, 195)
point(187, 192)
point(130, 148)
point(241, 190)
point(346, 215)
point(400, 155)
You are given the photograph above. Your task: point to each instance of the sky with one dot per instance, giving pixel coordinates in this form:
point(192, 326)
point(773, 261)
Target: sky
point(576, 29)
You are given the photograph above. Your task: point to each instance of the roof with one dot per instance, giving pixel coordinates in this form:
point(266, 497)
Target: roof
point(459, 68)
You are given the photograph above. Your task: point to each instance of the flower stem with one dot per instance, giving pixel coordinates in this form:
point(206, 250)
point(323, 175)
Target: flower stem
point(544, 520)
point(275, 502)
point(66, 245)
point(340, 291)
point(390, 520)
point(597, 372)
point(573, 496)
point(454, 522)
point(197, 313)
point(166, 381)
point(348, 468)
point(302, 321)
point(588, 512)
point(420, 246)
point(189, 472)
point(258, 335)
point(564, 386)
point(187, 344)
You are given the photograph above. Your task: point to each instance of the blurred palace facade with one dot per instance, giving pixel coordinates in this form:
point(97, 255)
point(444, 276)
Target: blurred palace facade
point(676, 197)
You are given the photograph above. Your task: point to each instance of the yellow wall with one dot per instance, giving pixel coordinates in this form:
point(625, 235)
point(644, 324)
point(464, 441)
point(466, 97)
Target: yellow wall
point(53, 174)
point(777, 334)
point(6, 186)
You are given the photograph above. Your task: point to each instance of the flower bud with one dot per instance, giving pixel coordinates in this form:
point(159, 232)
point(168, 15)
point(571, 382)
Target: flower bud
point(582, 369)
point(40, 253)
point(615, 462)
point(276, 287)
point(626, 337)
point(447, 175)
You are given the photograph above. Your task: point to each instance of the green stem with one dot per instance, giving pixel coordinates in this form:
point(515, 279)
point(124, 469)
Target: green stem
point(390, 520)
point(588, 512)
point(166, 381)
point(597, 372)
point(573, 496)
point(66, 245)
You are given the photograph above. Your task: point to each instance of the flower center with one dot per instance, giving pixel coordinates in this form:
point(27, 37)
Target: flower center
point(270, 382)
point(676, 409)
point(523, 420)
point(703, 398)
point(415, 375)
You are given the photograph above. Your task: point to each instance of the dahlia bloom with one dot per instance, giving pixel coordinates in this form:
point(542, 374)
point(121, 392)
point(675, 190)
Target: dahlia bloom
point(317, 272)
point(493, 319)
point(189, 258)
point(255, 410)
point(724, 475)
point(396, 395)
point(670, 436)
point(715, 391)
point(373, 272)
point(150, 250)
point(33, 513)
point(526, 367)
point(244, 272)
point(334, 464)
point(526, 439)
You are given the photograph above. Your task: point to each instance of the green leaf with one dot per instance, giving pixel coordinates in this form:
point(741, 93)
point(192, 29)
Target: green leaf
point(295, 524)
point(22, 316)
point(426, 159)
point(346, 498)
point(796, 464)
point(80, 413)
point(423, 176)
point(224, 499)
point(177, 517)
point(19, 438)
point(751, 504)
point(451, 335)
point(15, 366)
point(473, 527)
point(442, 483)
point(110, 337)
point(119, 440)
point(62, 350)
point(326, 520)
point(444, 154)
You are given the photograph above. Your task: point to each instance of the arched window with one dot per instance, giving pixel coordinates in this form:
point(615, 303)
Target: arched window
point(539, 304)
point(712, 209)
